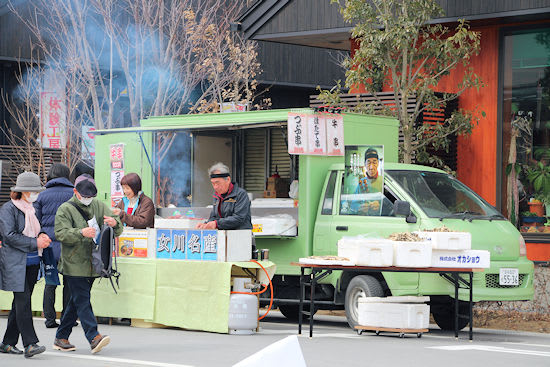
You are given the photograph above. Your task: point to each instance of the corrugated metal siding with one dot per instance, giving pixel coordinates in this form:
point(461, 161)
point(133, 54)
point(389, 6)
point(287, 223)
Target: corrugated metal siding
point(280, 159)
point(254, 160)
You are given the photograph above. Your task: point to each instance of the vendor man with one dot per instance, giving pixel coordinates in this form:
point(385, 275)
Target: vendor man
point(231, 204)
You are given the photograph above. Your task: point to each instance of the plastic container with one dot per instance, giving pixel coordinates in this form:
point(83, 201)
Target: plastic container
point(243, 309)
point(375, 253)
point(448, 240)
point(274, 225)
point(393, 315)
point(412, 254)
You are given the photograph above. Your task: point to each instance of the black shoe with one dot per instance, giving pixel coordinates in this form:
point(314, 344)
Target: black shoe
point(34, 349)
point(11, 349)
point(52, 325)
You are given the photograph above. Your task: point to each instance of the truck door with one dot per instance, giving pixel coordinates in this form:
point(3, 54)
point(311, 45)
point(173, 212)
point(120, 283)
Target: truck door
point(323, 223)
point(374, 223)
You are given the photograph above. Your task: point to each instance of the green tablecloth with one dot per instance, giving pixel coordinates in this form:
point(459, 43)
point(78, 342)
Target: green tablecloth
point(187, 294)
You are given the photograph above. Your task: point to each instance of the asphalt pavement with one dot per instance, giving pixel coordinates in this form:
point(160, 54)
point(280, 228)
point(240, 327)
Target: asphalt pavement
point(333, 344)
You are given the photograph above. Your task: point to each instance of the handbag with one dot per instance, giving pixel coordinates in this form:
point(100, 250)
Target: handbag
point(50, 267)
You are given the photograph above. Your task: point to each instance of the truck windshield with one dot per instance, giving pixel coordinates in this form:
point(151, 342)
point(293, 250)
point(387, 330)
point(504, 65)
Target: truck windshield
point(442, 196)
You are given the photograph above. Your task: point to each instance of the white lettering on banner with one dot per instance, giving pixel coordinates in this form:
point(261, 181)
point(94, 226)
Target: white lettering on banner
point(317, 137)
point(297, 136)
point(52, 120)
point(335, 135)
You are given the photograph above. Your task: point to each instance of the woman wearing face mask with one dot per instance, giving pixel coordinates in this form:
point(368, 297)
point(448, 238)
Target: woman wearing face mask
point(19, 263)
point(135, 209)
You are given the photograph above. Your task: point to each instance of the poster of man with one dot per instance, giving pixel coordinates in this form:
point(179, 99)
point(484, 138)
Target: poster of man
point(363, 180)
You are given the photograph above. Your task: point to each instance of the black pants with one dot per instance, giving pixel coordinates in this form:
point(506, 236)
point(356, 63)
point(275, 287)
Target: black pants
point(20, 317)
point(48, 304)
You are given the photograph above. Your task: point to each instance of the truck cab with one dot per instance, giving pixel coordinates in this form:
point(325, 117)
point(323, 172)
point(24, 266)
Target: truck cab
point(435, 199)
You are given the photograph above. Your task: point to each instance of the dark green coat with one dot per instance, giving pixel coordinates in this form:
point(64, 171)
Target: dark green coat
point(76, 250)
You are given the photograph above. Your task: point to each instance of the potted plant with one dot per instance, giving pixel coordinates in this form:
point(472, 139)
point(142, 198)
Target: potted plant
point(538, 175)
point(531, 219)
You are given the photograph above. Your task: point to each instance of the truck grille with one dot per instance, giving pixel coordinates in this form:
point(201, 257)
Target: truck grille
point(491, 281)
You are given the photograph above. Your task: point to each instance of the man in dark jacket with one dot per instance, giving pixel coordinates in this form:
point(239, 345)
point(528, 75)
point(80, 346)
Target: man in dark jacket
point(231, 204)
point(58, 190)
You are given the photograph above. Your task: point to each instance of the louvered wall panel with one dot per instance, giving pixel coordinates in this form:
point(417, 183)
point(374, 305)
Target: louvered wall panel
point(10, 169)
point(280, 159)
point(254, 160)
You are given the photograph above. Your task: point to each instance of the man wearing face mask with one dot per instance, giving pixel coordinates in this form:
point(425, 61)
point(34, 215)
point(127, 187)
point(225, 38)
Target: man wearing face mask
point(77, 236)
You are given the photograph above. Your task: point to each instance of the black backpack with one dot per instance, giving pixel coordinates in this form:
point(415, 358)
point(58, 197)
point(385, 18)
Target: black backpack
point(103, 252)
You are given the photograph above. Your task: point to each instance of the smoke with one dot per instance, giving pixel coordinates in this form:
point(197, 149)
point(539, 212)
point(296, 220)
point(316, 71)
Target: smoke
point(176, 166)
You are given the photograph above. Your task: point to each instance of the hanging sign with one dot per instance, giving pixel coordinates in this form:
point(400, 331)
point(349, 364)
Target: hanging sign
point(52, 121)
point(335, 135)
point(297, 133)
point(317, 136)
point(116, 154)
point(88, 142)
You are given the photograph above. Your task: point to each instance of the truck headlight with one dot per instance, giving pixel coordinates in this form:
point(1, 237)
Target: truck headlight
point(522, 247)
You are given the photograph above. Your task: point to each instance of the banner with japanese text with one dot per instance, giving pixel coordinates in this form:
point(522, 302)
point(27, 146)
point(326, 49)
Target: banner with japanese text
point(297, 133)
point(335, 134)
point(317, 137)
point(116, 154)
point(52, 121)
point(88, 143)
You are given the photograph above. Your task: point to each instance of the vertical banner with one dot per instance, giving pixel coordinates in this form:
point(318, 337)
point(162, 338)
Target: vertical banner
point(88, 143)
point(52, 121)
point(317, 136)
point(116, 154)
point(335, 134)
point(363, 188)
point(297, 133)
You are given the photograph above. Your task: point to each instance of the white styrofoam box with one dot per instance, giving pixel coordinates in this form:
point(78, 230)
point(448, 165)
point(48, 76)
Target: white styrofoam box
point(412, 254)
point(238, 245)
point(151, 243)
point(394, 315)
point(272, 203)
point(275, 225)
point(375, 253)
point(396, 299)
point(181, 223)
point(348, 248)
point(448, 240)
point(307, 260)
point(461, 259)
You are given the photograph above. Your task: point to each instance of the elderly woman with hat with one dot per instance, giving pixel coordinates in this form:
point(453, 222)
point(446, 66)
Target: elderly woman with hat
point(21, 237)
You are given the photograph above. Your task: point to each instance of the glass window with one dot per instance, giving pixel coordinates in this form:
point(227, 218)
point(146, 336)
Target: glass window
point(367, 204)
point(442, 196)
point(526, 120)
point(329, 195)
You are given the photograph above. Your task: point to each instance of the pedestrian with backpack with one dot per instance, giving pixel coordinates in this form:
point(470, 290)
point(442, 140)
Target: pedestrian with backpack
point(58, 190)
point(77, 227)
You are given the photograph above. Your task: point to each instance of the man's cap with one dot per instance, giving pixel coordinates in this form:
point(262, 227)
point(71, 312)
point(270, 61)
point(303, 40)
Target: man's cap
point(28, 182)
point(85, 185)
point(371, 153)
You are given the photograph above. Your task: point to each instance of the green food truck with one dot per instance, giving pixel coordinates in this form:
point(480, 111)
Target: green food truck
point(172, 155)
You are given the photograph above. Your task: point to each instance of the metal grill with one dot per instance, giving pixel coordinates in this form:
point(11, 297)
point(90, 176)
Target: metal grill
point(491, 281)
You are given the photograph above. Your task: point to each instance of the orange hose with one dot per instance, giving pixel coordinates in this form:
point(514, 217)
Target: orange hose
point(262, 291)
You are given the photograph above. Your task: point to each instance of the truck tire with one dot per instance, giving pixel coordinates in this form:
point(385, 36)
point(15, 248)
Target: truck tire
point(445, 316)
point(360, 286)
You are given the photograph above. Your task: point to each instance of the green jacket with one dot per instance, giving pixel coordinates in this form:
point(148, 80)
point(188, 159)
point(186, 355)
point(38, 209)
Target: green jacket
point(76, 250)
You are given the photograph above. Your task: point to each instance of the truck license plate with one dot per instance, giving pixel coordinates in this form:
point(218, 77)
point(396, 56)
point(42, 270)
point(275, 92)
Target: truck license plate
point(508, 277)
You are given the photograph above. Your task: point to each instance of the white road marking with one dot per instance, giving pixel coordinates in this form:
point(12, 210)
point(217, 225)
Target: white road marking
point(134, 362)
point(529, 345)
point(487, 348)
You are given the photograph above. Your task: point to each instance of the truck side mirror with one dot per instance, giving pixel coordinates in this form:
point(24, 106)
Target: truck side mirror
point(403, 209)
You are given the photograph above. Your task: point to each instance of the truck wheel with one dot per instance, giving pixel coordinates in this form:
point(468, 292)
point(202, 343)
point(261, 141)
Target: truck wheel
point(360, 286)
point(444, 317)
point(291, 312)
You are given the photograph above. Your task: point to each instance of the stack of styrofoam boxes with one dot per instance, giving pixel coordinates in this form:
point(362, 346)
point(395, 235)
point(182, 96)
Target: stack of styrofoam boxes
point(404, 312)
point(454, 250)
point(411, 254)
point(366, 251)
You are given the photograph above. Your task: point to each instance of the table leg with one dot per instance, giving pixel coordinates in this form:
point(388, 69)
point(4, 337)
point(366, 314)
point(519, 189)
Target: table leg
point(455, 276)
point(301, 306)
point(471, 304)
point(311, 302)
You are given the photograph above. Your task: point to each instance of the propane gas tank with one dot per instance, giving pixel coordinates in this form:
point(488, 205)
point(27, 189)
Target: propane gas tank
point(243, 309)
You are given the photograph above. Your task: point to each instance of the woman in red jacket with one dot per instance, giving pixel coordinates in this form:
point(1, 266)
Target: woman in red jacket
point(135, 209)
